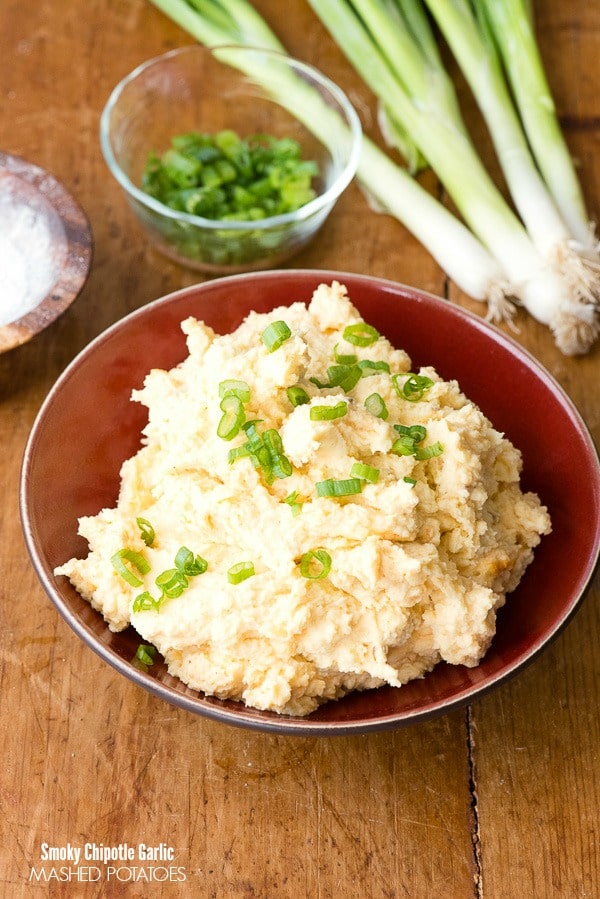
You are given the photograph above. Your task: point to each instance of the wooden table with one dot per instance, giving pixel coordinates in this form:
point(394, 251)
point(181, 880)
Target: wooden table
point(500, 800)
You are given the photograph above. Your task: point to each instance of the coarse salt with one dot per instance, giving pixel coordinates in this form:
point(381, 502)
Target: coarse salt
point(32, 249)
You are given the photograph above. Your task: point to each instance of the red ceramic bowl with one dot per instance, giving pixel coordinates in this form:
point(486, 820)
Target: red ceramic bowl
point(88, 426)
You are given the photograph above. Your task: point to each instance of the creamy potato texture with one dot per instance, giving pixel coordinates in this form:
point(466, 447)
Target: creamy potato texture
point(403, 566)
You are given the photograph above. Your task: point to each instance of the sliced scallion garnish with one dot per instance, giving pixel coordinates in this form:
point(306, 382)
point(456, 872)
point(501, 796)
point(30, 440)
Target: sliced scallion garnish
point(416, 433)
point(292, 500)
point(232, 418)
point(428, 452)
point(144, 656)
point(297, 396)
point(413, 388)
point(171, 582)
point(365, 472)
point(136, 559)
point(145, 602)
point(361, 334)
point(376, 406)
point(372, 366)
point(188, 563)
point(344, 358)
point(236, 388)
point(344, 376)
point(275, 334)
point(328, 413)
point(240, 572)
point(315, 564)
point(343, 487)
point(411, 481)
point(146, 531)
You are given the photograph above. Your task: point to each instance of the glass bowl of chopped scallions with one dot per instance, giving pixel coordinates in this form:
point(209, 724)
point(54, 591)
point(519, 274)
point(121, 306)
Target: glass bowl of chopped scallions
point(231, 158)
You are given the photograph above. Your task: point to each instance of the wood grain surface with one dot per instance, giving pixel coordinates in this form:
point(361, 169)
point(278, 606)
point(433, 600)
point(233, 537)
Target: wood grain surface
point(501, 800)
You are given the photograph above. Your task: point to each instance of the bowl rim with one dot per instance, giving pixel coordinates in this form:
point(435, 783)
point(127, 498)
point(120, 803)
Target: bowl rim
point(322, 201)
point(242, 716)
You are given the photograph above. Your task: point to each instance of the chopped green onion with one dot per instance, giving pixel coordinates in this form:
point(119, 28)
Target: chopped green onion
point(376, 406)
point(428, 452)
point(344, 487)
point(273, 442)
point(297, 396)
point(146, 530)
point(144, 602)
point(403, 446)
point(417, 433)
point(411, 481)
point(238, 573)
point(188, 563)
point(372, 366)
point(344, 376)
point(328, 413)
point(232, 418)
point(292, 500)
point(275, 334)
point(315, 564)
point(172, 583)
point(361, 334)
point(236, 388)
point(344, 358)
point(238, 452)
point(144, 656)
point(413, 387)
point(136, 559)
point(365, 472)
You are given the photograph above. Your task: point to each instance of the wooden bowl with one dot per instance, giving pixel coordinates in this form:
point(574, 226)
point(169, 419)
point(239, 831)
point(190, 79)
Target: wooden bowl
point(46, 246)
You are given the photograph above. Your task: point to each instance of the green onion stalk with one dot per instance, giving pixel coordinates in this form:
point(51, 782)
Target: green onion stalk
point(559, 230)
point(490, 256)
point(512, 26)
point(390, 45)
point(389, 187)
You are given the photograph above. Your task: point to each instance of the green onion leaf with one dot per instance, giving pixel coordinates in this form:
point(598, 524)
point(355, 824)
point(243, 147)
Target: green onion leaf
point(376, 406)
point(328, 413)
point(333, 488)
point(297, 396)
point(413, 387)
point(144, 602)
point(146, 530)
point(144, 656)
point(371, 366)
point(403, 446)
point(236, 388)
point(344, 376)
point(188, 563)
point(292, 501)
point(275, 334)
point(238, 573)
point(361, 334)
point(238, 452)
point(232, 418)
point(172, 583)
point(416, 433)
point(138, 562)
point(364, 472)
point(428, 452)
point(411, 481)
point(315, 564)
point(344, 359)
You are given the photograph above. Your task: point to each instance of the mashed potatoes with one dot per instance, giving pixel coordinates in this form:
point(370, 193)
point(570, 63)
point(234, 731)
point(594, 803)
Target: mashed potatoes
point(283, 547)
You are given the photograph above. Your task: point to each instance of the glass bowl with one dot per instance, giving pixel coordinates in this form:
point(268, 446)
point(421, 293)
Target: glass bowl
point(249, 91)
